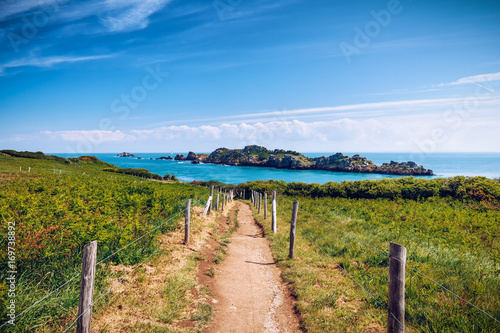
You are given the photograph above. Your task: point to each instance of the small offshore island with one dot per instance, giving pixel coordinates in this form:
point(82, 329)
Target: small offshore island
point(258, 156)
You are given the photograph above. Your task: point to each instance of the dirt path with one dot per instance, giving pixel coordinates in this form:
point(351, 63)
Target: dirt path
point(249, 294)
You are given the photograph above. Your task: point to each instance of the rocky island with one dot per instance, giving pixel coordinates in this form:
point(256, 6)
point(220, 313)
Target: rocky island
point(125, 154)
point(287, 159)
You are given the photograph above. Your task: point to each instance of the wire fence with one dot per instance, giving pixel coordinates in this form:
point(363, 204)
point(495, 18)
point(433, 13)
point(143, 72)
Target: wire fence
point(285, 203)
point(409, 267)
point(197, 201)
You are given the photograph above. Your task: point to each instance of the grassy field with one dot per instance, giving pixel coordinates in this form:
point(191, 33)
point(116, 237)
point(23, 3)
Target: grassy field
point(60, 205)
point(453, 242)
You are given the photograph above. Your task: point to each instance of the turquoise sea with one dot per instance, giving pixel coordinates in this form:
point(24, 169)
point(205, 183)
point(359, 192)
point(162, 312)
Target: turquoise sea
point(443, 165)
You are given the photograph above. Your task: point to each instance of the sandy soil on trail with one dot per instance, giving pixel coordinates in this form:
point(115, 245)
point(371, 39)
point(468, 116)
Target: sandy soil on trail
point(249, 294)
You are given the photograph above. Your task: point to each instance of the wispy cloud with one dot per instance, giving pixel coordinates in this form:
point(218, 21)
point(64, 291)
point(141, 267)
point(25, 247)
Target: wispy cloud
point(10, 8)
point(353, 110)
point(96, 136)
point(126, 15)
point(49, 61)
point(474, 79)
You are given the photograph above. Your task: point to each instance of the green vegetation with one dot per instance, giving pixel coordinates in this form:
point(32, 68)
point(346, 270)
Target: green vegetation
point(58, 206)
point(474, 189)
point(451, 236)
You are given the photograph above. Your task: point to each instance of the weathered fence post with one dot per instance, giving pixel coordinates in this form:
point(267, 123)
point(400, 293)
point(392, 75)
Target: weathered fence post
point(265, 206)
point(260, 200)
point(87, 288)
point(211, 196)
point(244, 198)
point(273, 216)
point(396, 309)
point(223, 201)
point(217, 203)
point(293, 224)
point(187, 221)
point(207, 206)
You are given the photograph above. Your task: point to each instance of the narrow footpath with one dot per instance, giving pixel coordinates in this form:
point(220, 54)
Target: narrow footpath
point(249, 294)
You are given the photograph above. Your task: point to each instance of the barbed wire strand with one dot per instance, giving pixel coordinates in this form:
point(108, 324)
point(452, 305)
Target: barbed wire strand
point(352, 278)
point(411, 268)
point(110, 289)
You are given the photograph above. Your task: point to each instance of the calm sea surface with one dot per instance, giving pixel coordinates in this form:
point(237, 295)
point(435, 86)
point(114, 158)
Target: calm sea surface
point(443, 165)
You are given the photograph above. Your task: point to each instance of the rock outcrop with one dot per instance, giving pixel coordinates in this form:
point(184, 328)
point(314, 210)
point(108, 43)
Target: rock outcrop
point(287, 159)
point(125, 154)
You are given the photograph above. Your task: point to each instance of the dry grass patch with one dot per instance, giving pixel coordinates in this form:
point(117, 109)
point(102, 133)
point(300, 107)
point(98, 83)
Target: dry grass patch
point(164, 294)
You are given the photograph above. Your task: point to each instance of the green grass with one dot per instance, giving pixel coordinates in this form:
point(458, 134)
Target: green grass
point(57, 213)
point(453, 242)
point(175, 296)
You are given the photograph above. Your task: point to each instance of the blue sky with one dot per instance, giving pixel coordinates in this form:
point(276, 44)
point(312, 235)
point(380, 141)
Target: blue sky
point(170, 75)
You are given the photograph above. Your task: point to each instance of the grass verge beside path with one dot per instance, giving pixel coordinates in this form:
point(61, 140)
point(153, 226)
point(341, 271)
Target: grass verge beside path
point(163, 295)
point(327, 300)
point(451, 242)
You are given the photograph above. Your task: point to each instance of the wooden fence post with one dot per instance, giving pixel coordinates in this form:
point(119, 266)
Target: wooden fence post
point(396, 309)
point(244, 198)
point(260, 200)
point(223, 201)
point(273, 216)
point(211, 196)
point(217, 203)
point(293, 224)
point(265, 206)
point(187, 221)
point(87, 288)
point(207, 206)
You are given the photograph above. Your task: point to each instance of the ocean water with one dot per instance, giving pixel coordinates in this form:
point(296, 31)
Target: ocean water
point(443, 165)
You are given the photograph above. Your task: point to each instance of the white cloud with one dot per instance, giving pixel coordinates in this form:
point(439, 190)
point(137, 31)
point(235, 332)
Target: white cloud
point(49, 61)
point(10, 8)
point(474, 79)
point(363, 110)
point(126, 15)
point(404, 133)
